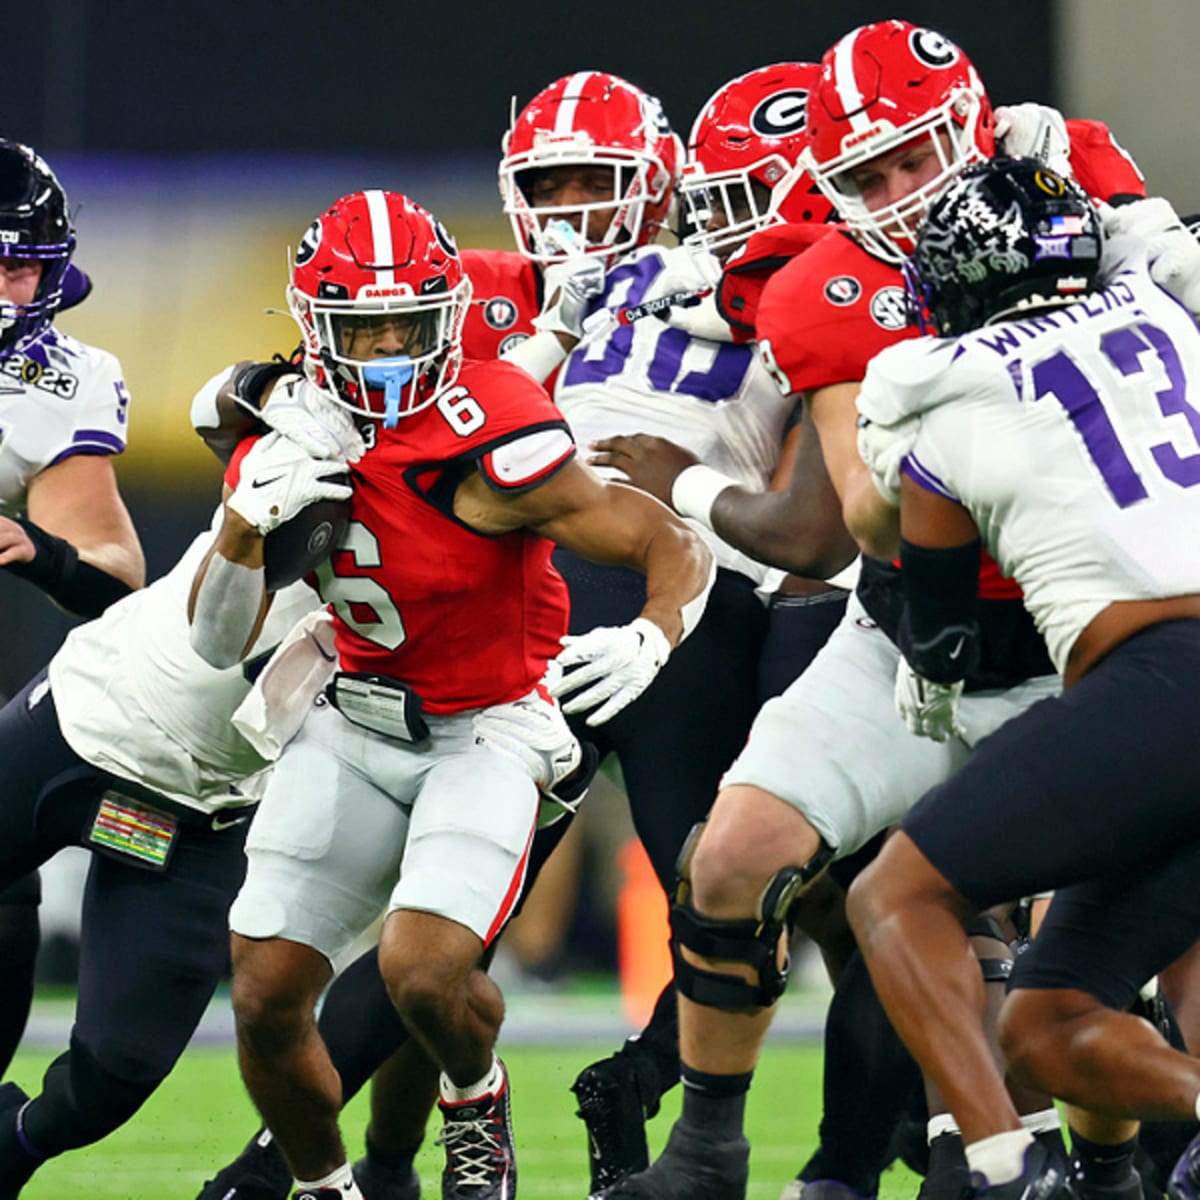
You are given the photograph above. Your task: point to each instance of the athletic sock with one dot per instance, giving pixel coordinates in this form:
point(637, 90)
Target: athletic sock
point(1001, 1157)
point(715, 1103)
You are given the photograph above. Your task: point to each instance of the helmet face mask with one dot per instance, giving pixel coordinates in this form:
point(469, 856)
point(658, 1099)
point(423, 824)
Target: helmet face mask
point(380, 296)
point(583, 122)
point(34, 228)
point(742, 157)
point(1007, 236)
point(885, 89)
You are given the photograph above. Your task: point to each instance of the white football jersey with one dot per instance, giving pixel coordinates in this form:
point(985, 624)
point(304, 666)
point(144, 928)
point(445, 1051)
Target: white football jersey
point(61, 398)
point(644, 369)
point(135, 699)
point(1073, 439)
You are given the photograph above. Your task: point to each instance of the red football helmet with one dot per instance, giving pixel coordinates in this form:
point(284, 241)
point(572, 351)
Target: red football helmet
point(380, 296)
point(751, 131)
point(590, 119)
point(883, 87)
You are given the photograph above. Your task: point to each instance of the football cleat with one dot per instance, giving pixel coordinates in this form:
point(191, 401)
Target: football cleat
point(612, 1095)
point(477, 1135)
point(258, 1173)
point(692, 1165)
point(1045, 1177)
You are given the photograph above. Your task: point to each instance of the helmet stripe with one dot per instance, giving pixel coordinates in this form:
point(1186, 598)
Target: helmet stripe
point(847, 85)
point(381, 236)
point(564, 121)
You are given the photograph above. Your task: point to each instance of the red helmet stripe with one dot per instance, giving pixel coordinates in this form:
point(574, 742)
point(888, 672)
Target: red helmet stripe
point(564, 121)
point(381, 236)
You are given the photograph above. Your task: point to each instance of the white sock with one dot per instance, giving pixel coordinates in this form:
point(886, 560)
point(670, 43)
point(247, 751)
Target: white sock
point(942, 1123)
point(1001, 1157)
point(342, 1180)
point(487, 1086)
point(1198, 1106)
point(1042, 1122)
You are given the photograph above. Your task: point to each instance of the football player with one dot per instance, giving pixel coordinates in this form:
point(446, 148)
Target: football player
point(896, 112)
point(124, 746)
point(63, 524)
point(1070, 469)
point(413, 786)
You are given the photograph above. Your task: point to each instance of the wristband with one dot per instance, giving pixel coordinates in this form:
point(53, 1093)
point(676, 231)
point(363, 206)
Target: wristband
point(695, 491)
point(82, 589)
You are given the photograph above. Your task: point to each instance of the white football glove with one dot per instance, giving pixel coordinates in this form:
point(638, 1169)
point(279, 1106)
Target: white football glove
point(307, 416)
point(883, 448)
point(928, 709)
point(1172, 251)
point(569, 288)
point(1035, 131)
point(618, 662)
point(278, 479)
point(535, 733)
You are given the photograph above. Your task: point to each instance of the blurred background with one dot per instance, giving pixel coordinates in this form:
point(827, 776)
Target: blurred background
point(197, 141)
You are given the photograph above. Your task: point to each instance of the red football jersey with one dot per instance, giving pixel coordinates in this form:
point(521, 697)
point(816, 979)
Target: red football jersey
point(465, 619)
point(503, 304)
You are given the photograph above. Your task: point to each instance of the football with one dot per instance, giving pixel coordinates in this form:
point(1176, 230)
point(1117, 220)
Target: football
point(303, 543)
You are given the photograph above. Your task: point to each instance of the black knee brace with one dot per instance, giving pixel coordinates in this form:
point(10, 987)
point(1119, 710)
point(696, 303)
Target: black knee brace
point(81, 1102)
point(753, 940)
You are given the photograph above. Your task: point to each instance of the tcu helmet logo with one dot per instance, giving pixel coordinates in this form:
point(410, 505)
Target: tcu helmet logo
point(842, 290)
point(781, 114)
point(889, 308)
point(931, 48)
point(309, 244)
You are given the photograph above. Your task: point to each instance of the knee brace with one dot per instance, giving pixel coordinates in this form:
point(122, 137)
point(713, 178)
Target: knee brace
point(81, 1102)
point(753, 940)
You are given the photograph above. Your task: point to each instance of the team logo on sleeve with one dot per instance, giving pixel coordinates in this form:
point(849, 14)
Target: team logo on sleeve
point(843, 290)
point(889, 308)
point(500, 313)
point(513, 339)
point(931, 48)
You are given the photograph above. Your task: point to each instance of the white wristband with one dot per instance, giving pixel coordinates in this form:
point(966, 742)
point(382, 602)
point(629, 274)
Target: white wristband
point(537, 355)
point(695, 491)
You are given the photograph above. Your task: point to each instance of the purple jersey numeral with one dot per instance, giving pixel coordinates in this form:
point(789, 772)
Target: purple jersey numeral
point(721, 380)
point(1059, 376)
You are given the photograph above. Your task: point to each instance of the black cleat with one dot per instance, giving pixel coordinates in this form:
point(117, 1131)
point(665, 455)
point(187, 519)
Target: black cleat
point(615, 1098)
point(377, 1181)
point(1045, 1177)
point(258, 1173)
point(477, 1135)
point(693, 1166)
point(947, 1176)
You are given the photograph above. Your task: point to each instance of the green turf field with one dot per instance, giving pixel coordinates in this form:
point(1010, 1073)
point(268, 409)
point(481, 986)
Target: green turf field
point(201, 1116)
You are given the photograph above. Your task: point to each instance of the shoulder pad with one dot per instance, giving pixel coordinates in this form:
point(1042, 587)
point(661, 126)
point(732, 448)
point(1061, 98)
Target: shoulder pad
point(527, 459)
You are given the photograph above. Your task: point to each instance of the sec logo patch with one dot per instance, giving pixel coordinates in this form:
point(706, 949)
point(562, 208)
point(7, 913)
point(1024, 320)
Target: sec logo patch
point(500, 312)
point(843, 290)
point(889, 308)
